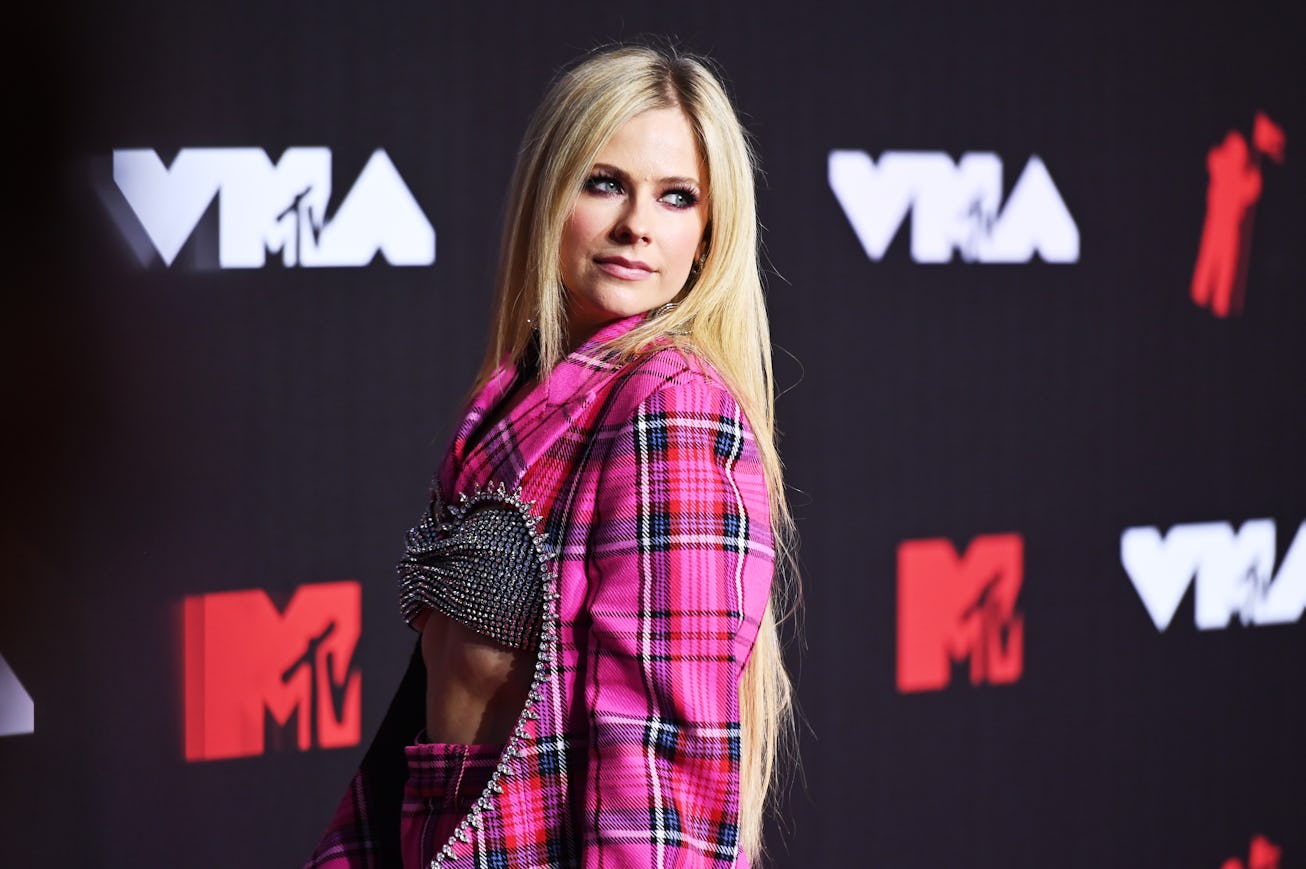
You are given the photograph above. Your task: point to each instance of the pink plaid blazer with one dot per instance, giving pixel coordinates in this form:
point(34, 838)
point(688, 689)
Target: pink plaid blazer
point(627, 753)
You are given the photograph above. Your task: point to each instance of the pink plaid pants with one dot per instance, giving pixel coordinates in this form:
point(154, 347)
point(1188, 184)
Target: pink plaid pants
point(444, 781)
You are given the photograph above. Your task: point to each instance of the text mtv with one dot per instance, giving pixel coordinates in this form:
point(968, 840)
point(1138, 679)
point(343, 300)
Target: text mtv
point(269, 208)
point(952, 608)
point(1234, 572)
point(245, 663)
point(953, 206)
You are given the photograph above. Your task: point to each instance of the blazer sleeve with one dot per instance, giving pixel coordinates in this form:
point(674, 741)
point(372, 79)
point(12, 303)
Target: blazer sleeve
point(680, 566)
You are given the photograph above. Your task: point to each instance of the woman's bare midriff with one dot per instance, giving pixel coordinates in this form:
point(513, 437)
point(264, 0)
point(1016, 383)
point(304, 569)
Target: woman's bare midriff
point(475, 688)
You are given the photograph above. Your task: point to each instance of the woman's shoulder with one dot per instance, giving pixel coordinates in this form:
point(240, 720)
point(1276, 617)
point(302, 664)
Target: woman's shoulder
point(669, 372)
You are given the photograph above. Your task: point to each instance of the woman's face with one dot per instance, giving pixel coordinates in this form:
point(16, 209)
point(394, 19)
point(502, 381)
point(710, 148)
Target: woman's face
point(637, 225)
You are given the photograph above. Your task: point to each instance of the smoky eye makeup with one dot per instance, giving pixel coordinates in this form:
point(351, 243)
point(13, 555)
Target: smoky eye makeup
point(607, 182)
point(681, 197)
point(603, 183)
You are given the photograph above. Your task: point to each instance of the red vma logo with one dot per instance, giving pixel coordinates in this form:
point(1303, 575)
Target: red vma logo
point(1220, 277)
point(1263, 855)
point(254, 675)
point(951, 608)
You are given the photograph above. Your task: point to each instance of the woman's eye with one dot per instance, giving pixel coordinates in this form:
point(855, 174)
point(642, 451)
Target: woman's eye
point(680, 198)
point(602, 184)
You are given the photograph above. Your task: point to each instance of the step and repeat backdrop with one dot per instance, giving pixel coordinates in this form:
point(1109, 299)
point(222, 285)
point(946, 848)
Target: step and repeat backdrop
point(1038, 287)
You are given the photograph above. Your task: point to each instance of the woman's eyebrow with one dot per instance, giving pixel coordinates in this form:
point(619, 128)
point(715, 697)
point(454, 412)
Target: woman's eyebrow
point(625, 176)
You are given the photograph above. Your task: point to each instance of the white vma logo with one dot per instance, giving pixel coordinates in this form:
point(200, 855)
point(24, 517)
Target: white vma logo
point(17, 711)
point(954, 206)
point(271, 208)
point(1233, 571)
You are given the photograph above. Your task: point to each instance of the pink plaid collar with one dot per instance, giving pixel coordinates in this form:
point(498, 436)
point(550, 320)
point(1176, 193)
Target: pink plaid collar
point(570, 389)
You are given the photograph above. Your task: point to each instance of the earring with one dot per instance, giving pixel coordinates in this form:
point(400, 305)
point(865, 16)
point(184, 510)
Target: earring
point(666, 308)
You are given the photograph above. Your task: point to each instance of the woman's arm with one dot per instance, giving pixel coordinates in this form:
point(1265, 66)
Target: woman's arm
point(680, 566)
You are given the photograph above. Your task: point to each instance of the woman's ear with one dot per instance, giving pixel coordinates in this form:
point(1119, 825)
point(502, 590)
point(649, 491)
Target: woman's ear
point(704, 244)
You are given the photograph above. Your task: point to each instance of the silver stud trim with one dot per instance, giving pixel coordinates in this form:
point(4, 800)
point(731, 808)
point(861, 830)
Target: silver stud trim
point(478, 561)
point(544, 668)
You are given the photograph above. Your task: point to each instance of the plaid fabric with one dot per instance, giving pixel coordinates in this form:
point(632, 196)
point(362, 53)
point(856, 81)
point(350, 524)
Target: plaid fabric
point(654, 499)
point(443, 782)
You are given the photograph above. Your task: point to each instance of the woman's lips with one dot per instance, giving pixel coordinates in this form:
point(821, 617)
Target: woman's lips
point(625, 269)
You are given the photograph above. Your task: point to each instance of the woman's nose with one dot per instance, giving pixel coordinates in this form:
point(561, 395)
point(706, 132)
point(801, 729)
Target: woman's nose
point(633, 224)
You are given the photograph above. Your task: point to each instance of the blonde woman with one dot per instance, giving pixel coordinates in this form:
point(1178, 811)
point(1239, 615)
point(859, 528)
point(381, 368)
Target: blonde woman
point(598, 680)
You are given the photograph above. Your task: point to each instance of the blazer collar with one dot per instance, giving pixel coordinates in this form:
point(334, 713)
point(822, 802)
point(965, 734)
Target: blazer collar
point(574, 377)
point(513, 445)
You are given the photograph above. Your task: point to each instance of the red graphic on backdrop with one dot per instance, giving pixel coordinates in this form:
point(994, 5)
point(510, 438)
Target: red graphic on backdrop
point(250, 668)
point(951, 608)
point(1220, 276)
point(1262, 855)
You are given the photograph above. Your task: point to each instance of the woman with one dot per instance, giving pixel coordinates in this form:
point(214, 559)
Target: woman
point(599, 680)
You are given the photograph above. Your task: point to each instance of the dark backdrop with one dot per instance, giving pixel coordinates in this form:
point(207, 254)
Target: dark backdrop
point(174, 431)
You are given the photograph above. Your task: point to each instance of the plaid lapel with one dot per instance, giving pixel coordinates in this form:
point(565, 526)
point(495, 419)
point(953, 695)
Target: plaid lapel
point(505, 451)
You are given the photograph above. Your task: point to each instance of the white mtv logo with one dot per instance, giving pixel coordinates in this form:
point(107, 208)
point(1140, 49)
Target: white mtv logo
point(274, 208)
point(1233, 571)
point(954, 206)
point(17, 711)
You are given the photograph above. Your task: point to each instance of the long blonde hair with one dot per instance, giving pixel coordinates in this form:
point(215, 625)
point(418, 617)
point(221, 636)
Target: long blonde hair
point(720, 315)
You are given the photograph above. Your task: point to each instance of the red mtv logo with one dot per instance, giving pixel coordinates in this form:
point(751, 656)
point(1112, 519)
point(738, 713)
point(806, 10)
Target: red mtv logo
point(1220, 276)
point(246, 662)
point(951, 608)
point(1262, 855)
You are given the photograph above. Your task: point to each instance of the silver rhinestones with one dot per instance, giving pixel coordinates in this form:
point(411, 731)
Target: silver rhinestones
point(481, 566)
point(540, 614)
